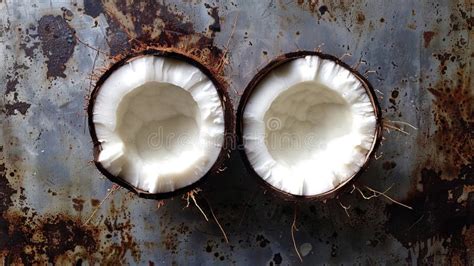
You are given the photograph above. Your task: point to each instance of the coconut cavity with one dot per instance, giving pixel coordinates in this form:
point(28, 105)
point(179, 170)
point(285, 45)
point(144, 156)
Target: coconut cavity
point(302, 120)
point(308, 126)
point(159, 122)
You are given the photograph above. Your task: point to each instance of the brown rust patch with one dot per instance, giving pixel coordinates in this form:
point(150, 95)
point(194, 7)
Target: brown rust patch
point(15, 73)
point(427, 37)
point(214, 13)
point(95, 202)
point(170, 242)
point(63, 233)
point(119, 226)
point(55, 238)
point(453, 111)
point(345, 13)
point(6, 191)
point(11, 84)
point(57, 43)
point(15, 107)
point(117, 38)
point(452, 143)
point(144, 21)
point(323, 9)
point(93, 8)
point(59, 238)
point(135, 26)
point(67, 14)
point(310, 4)
point(395, 93)
point(174, 26)
point(116, 252)
point(29, 42)
point(442, 198)
point(172, 236)
point(360, 18)
point(412, 26)
point(28, 240)
point(435, 214)
point(78, 204)
point(39, 241)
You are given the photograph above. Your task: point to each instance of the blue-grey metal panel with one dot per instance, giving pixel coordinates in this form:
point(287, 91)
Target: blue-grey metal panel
point(416, 54)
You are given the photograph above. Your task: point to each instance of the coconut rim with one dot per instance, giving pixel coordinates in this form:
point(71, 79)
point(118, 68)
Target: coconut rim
point(261, 74)
point(225, 103)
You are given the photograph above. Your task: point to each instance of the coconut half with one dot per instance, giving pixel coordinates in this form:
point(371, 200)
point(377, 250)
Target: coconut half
point(309, 124)
point(158, 124)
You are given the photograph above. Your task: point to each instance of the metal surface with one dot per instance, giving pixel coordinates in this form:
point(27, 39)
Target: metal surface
point(53, 51)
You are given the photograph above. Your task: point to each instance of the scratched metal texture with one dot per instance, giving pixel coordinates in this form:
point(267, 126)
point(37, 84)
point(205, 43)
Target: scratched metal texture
point(416, 54)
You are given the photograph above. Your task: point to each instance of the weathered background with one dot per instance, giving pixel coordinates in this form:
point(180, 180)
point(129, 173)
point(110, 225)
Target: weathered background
point(421, 52)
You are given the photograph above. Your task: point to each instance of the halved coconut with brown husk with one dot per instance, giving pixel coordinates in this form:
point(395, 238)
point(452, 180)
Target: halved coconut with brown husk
point(308, 124)
point(158, 123)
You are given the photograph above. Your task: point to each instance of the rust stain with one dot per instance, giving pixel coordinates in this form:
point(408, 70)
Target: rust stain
point(323, 9)
point(393, 99)
point(13, 105)
point(6, 191)
point(15, 73)
point(442, 196)
point(118, 225)
point(344, 13)
point(310, 4)
point(170, 242)
point(435, 214)
point(360, 18)
point(427, 37)
point(29, 238)
point(44, 240)
point(95, 202)
point(26, 240)
point(134, 26)
point(78, 204)
point(412, 26)
point(172, 236)
point(93, 8)
point(116, 252)
point(214, 13)
point(57, 43)
point(137, 25)
point(11, 84)
point(453, 105)
point(29, 41)
point(453, 112)
point(117, 38)
point(395, 93)
point(16, 107)
point(67, 14)
point(63, 233)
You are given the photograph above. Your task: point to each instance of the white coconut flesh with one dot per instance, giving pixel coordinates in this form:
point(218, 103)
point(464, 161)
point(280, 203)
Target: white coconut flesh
point(159, 122)
point(308, 126)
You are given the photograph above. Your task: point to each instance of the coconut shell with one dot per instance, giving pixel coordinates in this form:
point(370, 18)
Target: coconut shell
point(282, 59)
point(228, 120)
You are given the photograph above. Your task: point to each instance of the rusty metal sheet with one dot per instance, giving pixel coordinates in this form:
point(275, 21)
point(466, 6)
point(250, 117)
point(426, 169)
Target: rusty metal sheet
point(417, 54)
